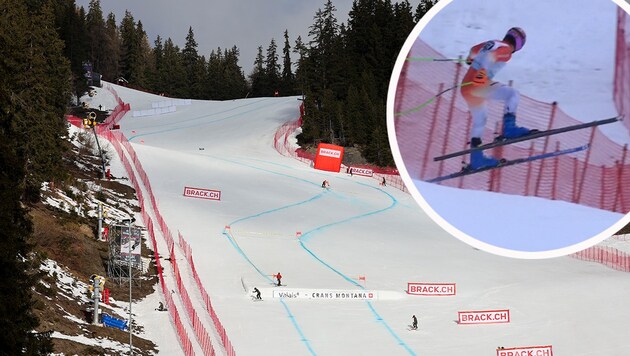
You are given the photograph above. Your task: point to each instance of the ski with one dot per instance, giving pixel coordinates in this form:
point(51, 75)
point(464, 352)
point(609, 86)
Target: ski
point(504, 163)
point(501, 142)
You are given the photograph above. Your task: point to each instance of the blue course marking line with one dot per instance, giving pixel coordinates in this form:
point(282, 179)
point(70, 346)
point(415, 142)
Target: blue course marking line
point(244, 255)
point(251, 102)
point(305, 237)
point(265, 276)
point(311, 253)
point(205, 123)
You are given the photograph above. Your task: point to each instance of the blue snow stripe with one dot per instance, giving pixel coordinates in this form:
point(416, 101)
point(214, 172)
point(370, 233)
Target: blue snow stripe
point(313, 198)
point(205, 123)
point(250, 102)
point(297, 327)
point(305, 237)
point(286, 307)
point(244, 255)
point(267, 170)
point(392, 332)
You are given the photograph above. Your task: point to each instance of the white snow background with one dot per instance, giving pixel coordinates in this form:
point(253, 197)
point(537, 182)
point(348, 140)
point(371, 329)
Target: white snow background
point(356, 228)
point(569, 58)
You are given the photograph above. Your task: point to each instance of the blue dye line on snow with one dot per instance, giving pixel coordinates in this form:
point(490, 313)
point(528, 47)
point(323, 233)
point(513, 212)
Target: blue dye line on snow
point(205, 123)
point(244, 255)
point(308, 235)
point(304, 238)
point(265, 276)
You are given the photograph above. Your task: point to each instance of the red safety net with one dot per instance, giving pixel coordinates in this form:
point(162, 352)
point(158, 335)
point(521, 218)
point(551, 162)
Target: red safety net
point(594, 177)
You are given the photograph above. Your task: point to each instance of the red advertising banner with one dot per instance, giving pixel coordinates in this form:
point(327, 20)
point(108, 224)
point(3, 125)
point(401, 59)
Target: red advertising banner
point(526, 351)
point(483, 317)
point(328, 157)
point(209, 194)
point(431, 289)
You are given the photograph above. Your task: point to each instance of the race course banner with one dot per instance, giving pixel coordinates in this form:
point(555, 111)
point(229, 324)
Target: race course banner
point(362, 171)
point(431, 289)
point(200, 193)
point(483, 316)
point(321, 294)
point(525, 351)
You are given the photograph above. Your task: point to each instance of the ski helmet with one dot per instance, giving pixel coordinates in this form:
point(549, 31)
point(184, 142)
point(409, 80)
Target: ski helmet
point(516, 36)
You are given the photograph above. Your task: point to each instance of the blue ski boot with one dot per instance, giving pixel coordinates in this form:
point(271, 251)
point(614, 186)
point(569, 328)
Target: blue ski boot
point(510, 130)
point(477, 159)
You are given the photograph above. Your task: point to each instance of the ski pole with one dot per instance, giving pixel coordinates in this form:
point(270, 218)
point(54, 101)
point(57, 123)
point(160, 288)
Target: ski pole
point(420, 107)
point(429, 59)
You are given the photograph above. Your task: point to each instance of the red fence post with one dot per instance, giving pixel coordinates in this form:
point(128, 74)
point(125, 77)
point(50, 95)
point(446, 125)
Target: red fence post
point(586, 164)
point(552, 119)
point(554, 180)
point(434, 120)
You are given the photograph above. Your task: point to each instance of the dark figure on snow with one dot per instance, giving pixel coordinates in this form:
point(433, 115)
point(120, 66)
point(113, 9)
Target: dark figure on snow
point(257, 293)
point(414, 324)
point(384, 182)
point(279, 277)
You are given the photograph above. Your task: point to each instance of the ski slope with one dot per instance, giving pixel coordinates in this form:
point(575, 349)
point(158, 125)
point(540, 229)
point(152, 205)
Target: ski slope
point(357, 228)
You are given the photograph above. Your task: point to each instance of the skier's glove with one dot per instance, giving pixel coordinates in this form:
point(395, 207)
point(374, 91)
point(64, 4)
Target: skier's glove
point(481, 78)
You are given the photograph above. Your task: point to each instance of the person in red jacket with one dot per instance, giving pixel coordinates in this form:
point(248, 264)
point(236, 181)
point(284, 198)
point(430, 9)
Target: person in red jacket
point(485, 60)
point(279, 277)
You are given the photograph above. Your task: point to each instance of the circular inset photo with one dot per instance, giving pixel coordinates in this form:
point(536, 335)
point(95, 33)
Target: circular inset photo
point(506, 121)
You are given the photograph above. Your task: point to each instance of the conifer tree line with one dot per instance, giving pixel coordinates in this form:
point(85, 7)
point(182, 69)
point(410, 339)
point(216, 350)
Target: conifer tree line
point(342, 70)
point(34, 95)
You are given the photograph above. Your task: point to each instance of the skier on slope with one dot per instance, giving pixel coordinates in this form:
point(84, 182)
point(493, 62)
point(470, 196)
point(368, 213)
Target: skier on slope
point(279, 277)
point(485, 60)
point(414, 323)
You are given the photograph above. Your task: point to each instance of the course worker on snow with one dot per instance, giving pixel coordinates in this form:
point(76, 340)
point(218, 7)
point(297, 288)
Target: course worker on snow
point(485, 60)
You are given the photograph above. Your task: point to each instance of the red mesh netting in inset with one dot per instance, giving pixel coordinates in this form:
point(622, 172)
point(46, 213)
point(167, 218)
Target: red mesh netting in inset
point(594, 177)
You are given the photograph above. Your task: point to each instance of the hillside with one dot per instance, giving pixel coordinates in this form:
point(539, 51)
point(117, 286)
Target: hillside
point(68, 253)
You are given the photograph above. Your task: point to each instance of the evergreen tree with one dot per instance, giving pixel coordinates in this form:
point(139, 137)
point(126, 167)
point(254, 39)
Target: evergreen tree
point(134, 50)
point(272, 69)
point(156, 80)
point(302, 66)
point(173, 73)
point(321, 46)
point(258, 77)
point(195, 69)
point(33, 96)
point(97, 35)
point(287, 86)
point(71, 27)
point(110, 64)
point(236, 84)
point(423, 7)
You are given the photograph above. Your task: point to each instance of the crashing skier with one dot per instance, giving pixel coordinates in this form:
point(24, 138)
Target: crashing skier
point(485, 60)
